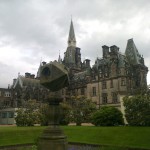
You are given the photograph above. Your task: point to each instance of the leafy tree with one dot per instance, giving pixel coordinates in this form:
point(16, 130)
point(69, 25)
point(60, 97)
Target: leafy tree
point(137, 110)
point(65, 115)
point(43, 114)
point(82, 108)
point(107, 116)
point(29, 115)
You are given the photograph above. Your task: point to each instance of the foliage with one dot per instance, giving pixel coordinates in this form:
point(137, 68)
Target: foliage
point(29, 115)
point(137, 110)
point(107, 116)
point(43, 114)
point(82, 108)
point(66, 109)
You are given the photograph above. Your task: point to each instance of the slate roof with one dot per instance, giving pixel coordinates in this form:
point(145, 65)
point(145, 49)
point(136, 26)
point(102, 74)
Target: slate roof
point(132, 53)
point(23, 81)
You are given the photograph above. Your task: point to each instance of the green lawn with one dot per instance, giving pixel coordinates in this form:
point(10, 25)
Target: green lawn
point(117, 136)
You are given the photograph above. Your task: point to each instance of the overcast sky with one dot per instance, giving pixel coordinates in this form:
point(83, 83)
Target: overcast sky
point(35, 29)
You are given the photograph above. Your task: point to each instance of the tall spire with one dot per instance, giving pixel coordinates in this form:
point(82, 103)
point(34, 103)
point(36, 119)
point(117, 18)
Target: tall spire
point(71, 38)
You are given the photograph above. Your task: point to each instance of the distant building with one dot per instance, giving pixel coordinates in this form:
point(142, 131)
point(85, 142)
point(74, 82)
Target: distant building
point(27, 88)
point(5, 98)
point(5, 104)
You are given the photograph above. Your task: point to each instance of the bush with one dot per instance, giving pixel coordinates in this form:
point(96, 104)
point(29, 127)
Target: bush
point(107, 116)
point(82, 108)
point(66, 109)
point(137, 110)
point(29, 115)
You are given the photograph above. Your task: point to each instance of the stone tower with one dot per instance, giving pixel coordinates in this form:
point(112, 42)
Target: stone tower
point(72, 56)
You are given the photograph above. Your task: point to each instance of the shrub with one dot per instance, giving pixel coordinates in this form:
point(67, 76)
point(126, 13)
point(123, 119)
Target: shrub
point(137, 110)
point(82, 108)
point(107, 116)
point(66, 109)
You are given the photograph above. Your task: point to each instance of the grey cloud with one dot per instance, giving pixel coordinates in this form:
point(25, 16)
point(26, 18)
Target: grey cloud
point(40, 27)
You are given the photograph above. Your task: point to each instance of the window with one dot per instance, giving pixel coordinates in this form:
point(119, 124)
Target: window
point(123, 82)
point(82, 91)
point(11, 114)
point(114, 97)
point(104, 98)
point(100, 73)
point(104, 85)
point(106, 74)
point(94, 91)
point(6, 103)
point(73, 92)
point(4, 115)
point(111, 84)
point(62, 91)
point(7, 94)
point(94, 77)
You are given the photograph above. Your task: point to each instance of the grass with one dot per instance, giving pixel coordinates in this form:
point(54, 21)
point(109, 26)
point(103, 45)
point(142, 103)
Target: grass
point(118, 136)
point(136, 137)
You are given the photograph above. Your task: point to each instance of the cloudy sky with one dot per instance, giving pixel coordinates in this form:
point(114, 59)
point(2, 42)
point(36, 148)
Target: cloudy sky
point(31, 30)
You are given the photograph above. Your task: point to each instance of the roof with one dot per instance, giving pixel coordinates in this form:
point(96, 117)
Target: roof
point(71, 37)
point(23, 81)
point(132, 53)
point(71, 32)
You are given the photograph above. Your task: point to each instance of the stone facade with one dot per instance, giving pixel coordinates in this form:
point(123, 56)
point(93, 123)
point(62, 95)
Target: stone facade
point(113, 75)
point(26, 88)
point(5, 98)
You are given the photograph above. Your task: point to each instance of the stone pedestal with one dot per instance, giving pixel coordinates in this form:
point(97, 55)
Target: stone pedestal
point(53, 137)
point(53, 76)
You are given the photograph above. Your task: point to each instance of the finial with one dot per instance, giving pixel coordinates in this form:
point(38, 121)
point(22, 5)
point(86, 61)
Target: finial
point(41, 60)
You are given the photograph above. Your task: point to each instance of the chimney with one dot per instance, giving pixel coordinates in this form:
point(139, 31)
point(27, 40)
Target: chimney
point(14, 81)
point(32, 76)
point(105, 51)
point(27, 75)
point(114, 49)
point(43, 63)
point(87, 63)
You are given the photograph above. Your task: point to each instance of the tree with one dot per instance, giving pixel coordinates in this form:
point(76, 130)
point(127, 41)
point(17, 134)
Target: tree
point(82, 108)
point(137, 110)
point(43, 114)
point(107, 116)
point(29, 115)
point(65, 115)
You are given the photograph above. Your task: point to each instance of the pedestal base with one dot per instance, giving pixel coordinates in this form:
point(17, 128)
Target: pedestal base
point(53, 138)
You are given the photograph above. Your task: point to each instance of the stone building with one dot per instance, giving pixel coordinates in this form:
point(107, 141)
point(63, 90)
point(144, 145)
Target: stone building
point(26, 88)
point(6, 114)
point(110, 78)
point(5, 98)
